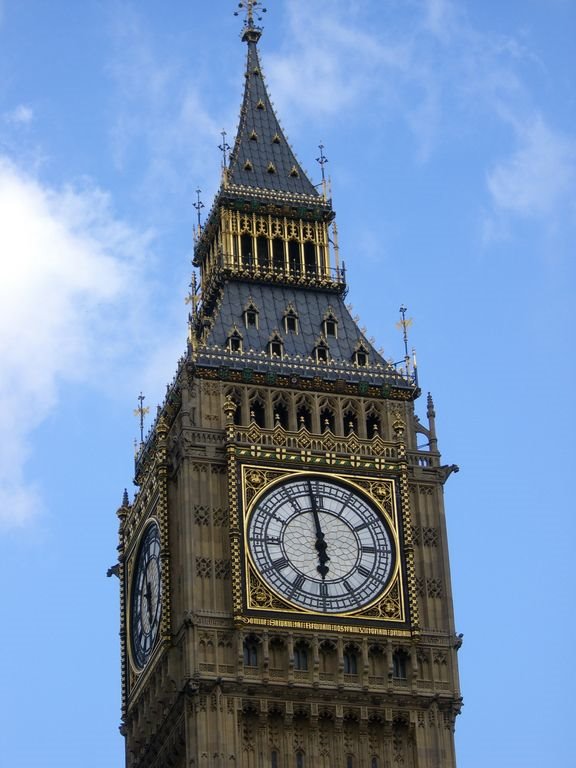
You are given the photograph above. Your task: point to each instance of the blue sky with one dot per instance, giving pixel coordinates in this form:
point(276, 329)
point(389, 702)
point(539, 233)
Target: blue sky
point(450, 131)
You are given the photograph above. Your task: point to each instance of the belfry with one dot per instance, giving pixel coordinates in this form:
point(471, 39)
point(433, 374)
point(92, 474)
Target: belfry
point(285, 585)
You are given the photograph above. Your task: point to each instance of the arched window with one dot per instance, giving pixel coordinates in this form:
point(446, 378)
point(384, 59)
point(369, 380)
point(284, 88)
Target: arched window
point(310, 259)
point(290, 320)
point(294, 257)
point(247, 247)
point(374, 763)
point(372, 424)
point(300, 657)
point(349, 761)
point(274, 759)
point(263, 253)
point(304, 416)
point(327, 419)
point(258, 411)
point(399, 664)
point(350, 662)
point(234, 342)
point(278, 255)
point(350, 422)
point(276, 346)
point(299, 759)
point(330, 324)
point(250, 652)
point(281, 414)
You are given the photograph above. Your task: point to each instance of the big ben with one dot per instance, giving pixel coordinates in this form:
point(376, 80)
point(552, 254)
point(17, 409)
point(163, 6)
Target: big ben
point(285, 585)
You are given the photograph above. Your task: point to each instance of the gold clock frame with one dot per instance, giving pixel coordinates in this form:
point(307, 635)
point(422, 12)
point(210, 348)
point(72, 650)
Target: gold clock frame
point(257, 604)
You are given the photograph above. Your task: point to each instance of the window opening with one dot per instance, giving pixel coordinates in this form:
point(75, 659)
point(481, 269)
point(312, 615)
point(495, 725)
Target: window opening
point(278, 254)
point(250, 653)
point(301, 657)
point(274, 759)
point(299, 760)
point(327, 419)
point(294, 257)
point(281, 415)
point(350, 663)
point(258, 412)
point(251, 318)
point(246, 245)
point(399, 665)
point(304, 417)
point(310, 259)
point(372, 425)
point(263, 255)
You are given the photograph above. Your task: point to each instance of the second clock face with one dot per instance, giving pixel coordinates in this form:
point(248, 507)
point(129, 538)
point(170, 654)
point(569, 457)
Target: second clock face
point(146, 597)
point(321, 545)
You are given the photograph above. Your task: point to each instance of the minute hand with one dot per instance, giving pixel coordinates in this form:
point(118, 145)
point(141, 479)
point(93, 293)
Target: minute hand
point(320, 545)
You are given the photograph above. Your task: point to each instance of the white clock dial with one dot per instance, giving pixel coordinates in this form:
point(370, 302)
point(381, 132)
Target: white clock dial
point(321, 545)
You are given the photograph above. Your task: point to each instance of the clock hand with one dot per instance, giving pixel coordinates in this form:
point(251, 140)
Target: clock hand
point(321, 545)
point(149, 600)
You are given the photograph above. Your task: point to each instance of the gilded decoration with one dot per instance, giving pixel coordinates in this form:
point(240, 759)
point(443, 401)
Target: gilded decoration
point(257, 598)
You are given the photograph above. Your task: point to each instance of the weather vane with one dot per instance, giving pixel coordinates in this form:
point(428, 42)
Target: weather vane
point(250, 6)
point(198, 205)
point(141, 411)
point(403, 324)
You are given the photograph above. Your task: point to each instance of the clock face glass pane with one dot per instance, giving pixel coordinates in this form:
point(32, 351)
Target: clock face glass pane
point(146, 597)
point(321, 545)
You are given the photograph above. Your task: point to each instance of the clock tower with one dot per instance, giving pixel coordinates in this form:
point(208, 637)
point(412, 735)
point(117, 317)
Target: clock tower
point(285, 586)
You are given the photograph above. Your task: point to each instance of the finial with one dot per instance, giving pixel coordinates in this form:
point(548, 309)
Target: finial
point(141, 411)
point(322, 160)
point(251, 32)
point(125, 499)
point(224, 148)
point(198, 205)
point(403, 325)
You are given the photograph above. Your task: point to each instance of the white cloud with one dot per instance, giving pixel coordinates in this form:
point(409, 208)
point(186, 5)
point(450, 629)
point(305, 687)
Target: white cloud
point(66, 265)
point(20, 115)
point(538, 179)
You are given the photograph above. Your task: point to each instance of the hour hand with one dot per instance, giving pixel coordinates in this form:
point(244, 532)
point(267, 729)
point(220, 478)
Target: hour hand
point(149, 600)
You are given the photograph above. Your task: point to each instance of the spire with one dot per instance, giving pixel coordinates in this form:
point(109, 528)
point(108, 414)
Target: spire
point(262, 158)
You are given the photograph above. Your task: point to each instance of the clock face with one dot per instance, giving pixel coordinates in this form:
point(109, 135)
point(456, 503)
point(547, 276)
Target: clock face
point(146, 597)
point(321, 545)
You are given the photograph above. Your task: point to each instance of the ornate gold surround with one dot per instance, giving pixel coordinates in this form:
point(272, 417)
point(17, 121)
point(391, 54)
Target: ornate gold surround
point(255, 603)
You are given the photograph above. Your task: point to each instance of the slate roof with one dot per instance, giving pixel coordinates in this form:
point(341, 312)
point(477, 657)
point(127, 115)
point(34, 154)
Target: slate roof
point(272, 303)
point(262, 158)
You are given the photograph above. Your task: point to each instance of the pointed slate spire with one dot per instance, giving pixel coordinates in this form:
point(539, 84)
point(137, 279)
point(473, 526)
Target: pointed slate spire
point(262, 158)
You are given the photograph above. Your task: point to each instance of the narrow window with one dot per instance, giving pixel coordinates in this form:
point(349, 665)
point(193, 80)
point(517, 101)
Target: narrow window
point(278, 254)
point(294, 257)
point(251, 318)
point(274, 759)
point(322, 354)
point(374, 763)
point(349, 761)
point(350, 663)
point(291, 323)
point(281, 415)
point(399, 664)
point(301, 657)
point(235, 342)
point(310, 259)
point(330, 327)
point(361, 357)
point(246, 245)
point(263, 255)
point(304, 417)
point(275, 348)
point(250, 653)
point(299, 760)
point(258, 413)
